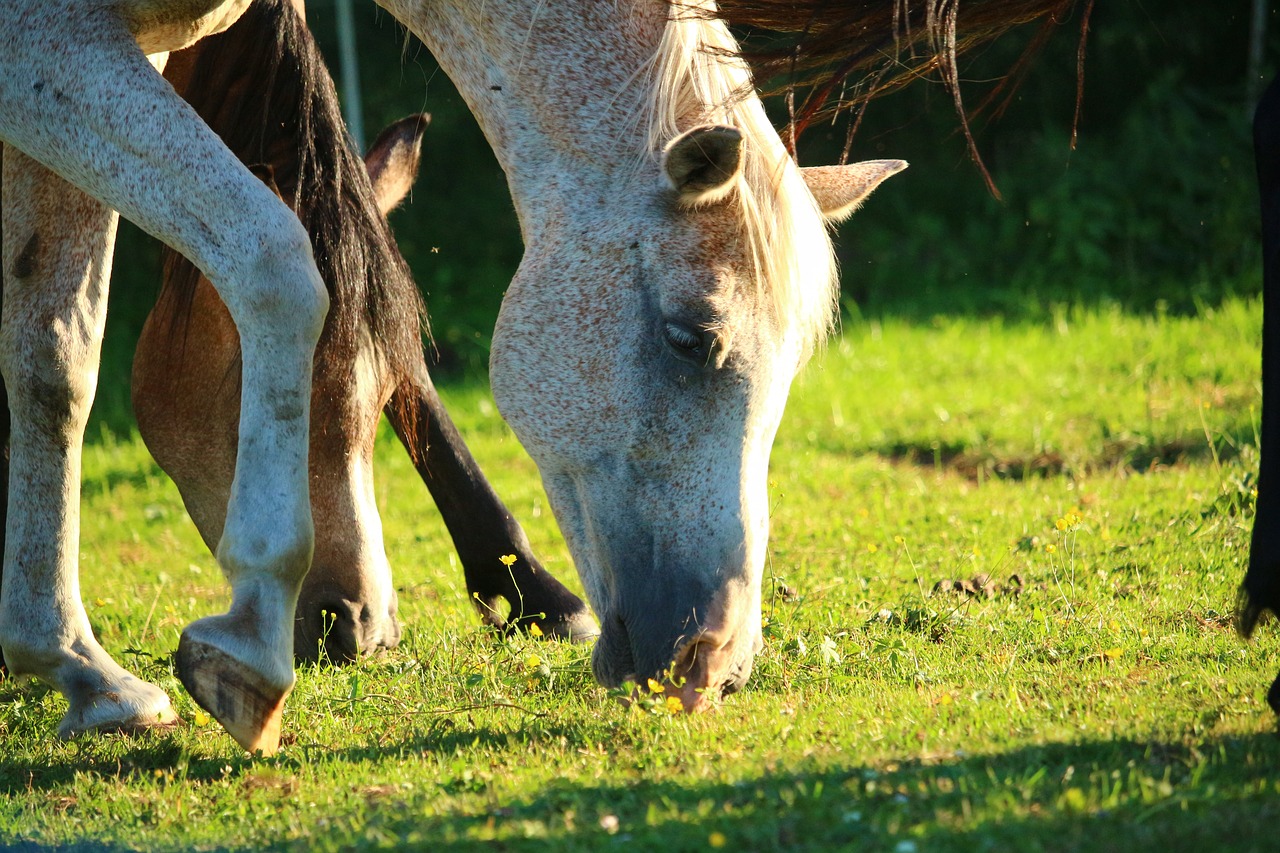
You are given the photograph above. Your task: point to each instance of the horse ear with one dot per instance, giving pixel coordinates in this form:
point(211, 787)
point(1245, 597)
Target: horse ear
point(701, 164)
point(266, 173)
point(393, 158)
point(840, 189)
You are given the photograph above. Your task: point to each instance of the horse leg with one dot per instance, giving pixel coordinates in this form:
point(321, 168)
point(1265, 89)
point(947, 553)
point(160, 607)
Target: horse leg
point(185, 382)
point(78, 92)
point(57, 249)
point(348, 602)
point(4, 433)
point(1260, 591)
point(4, 472)
point(481, 526)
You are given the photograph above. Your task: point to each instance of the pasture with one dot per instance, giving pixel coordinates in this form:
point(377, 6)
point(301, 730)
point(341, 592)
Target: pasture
point(1097, 467)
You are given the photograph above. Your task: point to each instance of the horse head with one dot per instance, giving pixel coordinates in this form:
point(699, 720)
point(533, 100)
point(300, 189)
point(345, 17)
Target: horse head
point(677, 273)
point(646, 369)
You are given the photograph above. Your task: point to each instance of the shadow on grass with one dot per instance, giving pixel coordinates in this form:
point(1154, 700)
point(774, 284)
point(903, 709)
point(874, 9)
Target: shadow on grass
point(1215, 793)
point(1122, 795)
point(1134, 456)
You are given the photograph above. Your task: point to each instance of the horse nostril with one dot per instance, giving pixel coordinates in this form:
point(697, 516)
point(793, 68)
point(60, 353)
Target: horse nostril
point(712, 665)
point(329, 629)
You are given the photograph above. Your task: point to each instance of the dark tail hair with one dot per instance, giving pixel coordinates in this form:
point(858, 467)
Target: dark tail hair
point(263, 87)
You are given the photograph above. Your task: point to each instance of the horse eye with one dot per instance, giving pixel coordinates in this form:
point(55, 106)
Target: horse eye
point(684, 340)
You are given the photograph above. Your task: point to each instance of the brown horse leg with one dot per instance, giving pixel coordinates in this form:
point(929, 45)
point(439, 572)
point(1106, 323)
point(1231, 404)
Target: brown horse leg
point(1260, 591)
point(482, 527)
point(186, 400)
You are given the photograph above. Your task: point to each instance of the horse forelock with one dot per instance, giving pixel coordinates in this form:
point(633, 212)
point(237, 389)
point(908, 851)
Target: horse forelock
point(698, 77)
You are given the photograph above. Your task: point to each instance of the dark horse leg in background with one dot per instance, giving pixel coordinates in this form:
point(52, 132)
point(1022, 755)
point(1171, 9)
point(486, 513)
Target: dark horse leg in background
point(4, 481)
point(481, 526)
point(4, 474)
point(1260, 591)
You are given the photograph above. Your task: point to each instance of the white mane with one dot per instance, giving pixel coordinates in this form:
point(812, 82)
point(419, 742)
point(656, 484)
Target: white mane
point(698, 78)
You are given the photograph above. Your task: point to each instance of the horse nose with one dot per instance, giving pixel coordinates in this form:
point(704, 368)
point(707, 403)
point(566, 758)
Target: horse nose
point(710, 665)
point(340, 630)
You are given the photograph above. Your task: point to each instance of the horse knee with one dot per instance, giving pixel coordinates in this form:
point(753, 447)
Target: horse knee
point(280, 287)
point(48, 375)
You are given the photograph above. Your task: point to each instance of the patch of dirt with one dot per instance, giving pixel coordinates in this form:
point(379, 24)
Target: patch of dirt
point(983, 585)
point(1135, 457)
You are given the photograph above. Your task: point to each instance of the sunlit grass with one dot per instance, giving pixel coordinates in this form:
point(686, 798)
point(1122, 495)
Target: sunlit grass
point(1090, 694)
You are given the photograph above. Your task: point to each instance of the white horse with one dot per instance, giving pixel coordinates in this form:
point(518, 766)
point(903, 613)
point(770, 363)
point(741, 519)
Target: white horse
point(677, 274)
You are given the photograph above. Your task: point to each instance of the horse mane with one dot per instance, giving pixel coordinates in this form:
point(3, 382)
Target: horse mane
point(821, 44)
point(262, 86)
point(699, 77)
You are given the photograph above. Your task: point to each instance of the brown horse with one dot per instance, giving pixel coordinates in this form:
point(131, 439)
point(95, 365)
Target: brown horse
point(370, 357)
point(277, 111)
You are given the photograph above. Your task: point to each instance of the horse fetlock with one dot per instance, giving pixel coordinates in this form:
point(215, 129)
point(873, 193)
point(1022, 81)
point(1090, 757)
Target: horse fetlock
point(275, 557)
point(102, 695)
point(577, 626)
point(550, 611)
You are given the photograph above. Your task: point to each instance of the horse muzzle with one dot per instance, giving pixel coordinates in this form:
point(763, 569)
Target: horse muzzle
point(697, 665)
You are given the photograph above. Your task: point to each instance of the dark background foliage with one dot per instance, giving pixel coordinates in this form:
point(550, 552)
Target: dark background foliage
point(1154, 210)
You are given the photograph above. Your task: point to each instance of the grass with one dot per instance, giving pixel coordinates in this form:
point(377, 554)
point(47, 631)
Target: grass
point(1097, 468)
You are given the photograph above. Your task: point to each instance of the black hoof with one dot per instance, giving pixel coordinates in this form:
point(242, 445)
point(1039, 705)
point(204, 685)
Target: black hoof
point(576, 627)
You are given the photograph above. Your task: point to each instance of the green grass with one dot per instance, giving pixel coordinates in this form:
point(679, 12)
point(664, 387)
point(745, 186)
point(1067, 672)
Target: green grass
point(1108, 706)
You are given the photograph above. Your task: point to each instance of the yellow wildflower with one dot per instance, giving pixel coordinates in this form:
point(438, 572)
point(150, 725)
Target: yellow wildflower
point(508, 560)
point(655, 686)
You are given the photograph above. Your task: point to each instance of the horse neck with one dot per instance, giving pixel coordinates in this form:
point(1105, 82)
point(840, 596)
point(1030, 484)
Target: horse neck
point(559, 88)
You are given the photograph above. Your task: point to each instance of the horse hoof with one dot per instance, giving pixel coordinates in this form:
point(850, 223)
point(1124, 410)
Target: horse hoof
point(246, 704)
point(579, 627)
point(144, 708)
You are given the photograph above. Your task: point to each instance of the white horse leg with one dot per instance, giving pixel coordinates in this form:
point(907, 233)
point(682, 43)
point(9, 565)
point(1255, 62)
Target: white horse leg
point(55, 301)
point(78, 95)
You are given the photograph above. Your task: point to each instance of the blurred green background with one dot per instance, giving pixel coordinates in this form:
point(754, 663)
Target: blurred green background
point(1154, 210)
